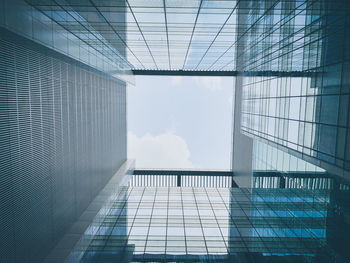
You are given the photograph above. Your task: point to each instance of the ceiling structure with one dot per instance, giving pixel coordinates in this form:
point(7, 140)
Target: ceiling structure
point(188, 35)
point(155, 34)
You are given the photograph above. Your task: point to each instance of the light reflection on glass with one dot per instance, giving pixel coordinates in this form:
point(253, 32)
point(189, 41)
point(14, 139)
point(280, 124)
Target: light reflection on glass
point(281, 222)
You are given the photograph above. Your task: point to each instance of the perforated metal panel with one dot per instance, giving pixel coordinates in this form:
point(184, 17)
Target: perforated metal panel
point(62, 136)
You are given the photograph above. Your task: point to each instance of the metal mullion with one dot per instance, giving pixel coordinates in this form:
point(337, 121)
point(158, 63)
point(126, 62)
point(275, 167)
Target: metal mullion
point(251, 26)
point(304, 206)
point(150, 221)
point(285, 39)
point(277, 42)
point(270, 226)
point(109, 24)
point(144, 39)
point(85, 41)
point(167, 34)
point(124, 206)
point(230, 218)
point(222, 27)
point(217, 222)
point(297, 219)
point(273, 29)
point(137, 209)
point(272, 209)
point(200, 221)
point(194, 27)
point(183, 219)
point(167, 223)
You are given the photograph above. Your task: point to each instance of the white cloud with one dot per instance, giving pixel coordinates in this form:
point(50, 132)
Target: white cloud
point(166, 150)
point(213, 83)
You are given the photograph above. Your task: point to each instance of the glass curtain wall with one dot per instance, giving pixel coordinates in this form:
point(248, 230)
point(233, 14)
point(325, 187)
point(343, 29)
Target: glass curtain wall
point(306, 115)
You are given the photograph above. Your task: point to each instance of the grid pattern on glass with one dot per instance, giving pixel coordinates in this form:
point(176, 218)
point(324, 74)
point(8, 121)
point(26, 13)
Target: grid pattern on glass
point(270, 158)
point(269, 181)
point(88, 47)
point(281, 35)
point(196, 34)
point(274, 168)
point(308, 115)
point(295, 113)
point(192, 223)
point(204, 34)
point(159, 34)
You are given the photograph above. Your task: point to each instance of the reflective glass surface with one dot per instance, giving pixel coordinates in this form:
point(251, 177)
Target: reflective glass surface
point(179, 224)
point(308, 115)
point(161, 34)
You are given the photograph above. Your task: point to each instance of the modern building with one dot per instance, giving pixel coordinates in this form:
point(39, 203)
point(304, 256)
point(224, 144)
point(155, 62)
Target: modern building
point(68, 192)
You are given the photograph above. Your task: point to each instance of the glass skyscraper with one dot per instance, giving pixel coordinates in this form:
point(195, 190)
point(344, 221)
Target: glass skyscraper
point(68, 192)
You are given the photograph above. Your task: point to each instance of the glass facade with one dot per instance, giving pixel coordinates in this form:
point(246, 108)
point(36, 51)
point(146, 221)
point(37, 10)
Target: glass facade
point(62, 130)
point(159, 34)
point(269, 158)
point(58, 145)
point(64, 70)
point(53, 28)
point(306, 115)
point(177, 224)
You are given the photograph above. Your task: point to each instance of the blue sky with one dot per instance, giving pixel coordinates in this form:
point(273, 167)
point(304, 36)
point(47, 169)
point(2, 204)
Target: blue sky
point(180, 122)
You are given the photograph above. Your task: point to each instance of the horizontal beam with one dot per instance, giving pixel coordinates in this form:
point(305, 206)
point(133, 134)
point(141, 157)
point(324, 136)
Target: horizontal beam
point(212, 73)
point(183, 172)
point(291, 174)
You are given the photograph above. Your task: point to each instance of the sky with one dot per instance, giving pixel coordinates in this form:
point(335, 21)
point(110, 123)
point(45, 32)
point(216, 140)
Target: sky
point(180, 122)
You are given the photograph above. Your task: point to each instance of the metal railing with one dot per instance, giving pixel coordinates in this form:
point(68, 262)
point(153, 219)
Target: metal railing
point(182, 178)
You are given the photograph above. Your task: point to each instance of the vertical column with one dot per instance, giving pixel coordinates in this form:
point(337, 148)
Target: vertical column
point(242, 145)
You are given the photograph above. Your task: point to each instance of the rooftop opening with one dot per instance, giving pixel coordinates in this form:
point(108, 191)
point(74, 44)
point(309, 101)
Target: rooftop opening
point(180, 122)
